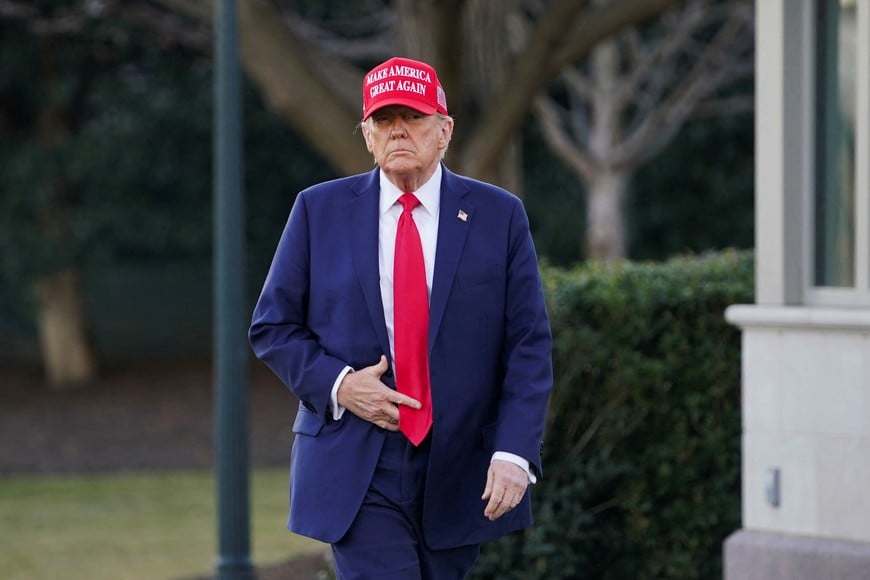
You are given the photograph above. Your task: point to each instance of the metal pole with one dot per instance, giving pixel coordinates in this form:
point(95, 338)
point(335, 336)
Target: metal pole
point(230, 344)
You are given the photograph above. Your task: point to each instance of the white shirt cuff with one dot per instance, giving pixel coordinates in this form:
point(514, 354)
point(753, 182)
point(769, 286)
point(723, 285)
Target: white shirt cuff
point(516, 460)
point(338, 410)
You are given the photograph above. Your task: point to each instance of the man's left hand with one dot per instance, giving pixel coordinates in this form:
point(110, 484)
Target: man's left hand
point(506, 485)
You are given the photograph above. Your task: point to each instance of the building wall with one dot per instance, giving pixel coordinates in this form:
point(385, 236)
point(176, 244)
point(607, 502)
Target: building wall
point(806, 349)
point(806, 416)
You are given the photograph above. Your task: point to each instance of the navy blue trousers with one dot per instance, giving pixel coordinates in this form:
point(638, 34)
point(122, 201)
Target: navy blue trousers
point(385, 541)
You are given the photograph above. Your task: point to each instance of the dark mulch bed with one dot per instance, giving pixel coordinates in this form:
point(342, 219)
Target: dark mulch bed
point(308, 567)
point(138, 417)
point(156, 416)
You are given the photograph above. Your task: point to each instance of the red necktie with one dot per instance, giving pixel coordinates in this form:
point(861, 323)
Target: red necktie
point(411, 324)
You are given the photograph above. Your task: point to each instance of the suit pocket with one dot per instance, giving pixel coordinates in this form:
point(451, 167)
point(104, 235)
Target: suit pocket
point(307, 423)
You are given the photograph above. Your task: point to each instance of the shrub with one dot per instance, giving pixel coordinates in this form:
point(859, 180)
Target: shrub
point(642, 448)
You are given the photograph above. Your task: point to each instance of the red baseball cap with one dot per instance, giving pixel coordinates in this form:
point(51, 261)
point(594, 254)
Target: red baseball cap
point(402, 81)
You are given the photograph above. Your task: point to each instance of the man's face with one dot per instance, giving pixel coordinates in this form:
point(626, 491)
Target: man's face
point(407, 144)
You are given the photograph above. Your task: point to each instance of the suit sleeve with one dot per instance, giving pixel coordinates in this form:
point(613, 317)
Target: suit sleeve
point(279, 333)
point(527, 353)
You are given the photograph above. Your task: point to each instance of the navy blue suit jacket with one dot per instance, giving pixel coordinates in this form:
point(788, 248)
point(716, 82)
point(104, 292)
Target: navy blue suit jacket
point(489, 350)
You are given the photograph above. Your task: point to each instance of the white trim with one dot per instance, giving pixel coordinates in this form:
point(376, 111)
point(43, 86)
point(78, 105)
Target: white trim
point(862, 152)
point(782, 146)
point(808, 94)
point(792, 317)
point(770, 120)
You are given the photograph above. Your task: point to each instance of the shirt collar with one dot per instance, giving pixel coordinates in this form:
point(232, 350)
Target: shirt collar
point(429, 193)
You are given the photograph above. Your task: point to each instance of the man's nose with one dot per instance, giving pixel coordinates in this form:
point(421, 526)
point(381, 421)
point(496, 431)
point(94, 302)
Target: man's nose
point(397, 129)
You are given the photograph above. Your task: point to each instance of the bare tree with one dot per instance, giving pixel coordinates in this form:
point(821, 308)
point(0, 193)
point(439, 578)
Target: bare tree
point(297, 72)
point(625, 104)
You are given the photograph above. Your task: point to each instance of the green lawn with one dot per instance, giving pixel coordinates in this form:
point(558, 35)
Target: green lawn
point(130, 526)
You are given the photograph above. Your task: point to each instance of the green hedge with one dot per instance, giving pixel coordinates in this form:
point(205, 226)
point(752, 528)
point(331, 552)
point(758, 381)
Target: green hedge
point(642, 450)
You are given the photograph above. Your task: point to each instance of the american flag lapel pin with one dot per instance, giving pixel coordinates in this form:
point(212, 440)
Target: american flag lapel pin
point(462, 215)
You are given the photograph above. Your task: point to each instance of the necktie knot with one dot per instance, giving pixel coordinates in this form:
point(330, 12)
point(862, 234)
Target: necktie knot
point(409, 201)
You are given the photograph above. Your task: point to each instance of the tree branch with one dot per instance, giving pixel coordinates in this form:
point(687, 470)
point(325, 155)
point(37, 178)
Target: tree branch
point(530, 73)
point(542, 60)
point(604, 21)
point(375, 46)
point(647, 66)
point(278, 61)
point(169, 28)
point(275, 58)
point(709, 74)
point(552, 128)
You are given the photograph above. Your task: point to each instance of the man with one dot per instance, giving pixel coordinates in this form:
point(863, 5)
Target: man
point(404, 308)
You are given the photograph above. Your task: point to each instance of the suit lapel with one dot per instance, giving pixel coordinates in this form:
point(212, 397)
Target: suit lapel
point(361, 218)
point(455, 217)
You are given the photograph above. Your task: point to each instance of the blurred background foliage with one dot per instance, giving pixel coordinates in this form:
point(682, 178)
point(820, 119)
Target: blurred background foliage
point(120, 123)
point(133, 151)
point(106, 146)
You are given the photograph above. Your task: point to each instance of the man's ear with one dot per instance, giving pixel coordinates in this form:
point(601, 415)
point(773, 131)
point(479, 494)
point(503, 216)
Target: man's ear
point(446, 132)
point(367, 136)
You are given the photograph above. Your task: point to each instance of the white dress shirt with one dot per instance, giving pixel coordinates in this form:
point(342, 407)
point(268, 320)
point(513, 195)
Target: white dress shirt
point(426, 219)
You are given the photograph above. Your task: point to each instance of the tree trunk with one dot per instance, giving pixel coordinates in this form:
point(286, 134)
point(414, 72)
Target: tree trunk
point(605, 228)
point(492, 40)
point(605, 235)
point(67, 353)
point(509, 173)
point(66, 349)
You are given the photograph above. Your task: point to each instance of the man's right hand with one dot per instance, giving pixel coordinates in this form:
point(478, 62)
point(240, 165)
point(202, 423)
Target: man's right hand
point(364, 395)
